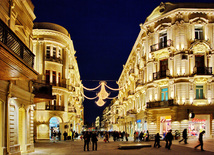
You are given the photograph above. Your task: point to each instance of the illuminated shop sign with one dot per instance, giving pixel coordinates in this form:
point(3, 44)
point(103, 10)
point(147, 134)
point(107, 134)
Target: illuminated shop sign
point(198, 120)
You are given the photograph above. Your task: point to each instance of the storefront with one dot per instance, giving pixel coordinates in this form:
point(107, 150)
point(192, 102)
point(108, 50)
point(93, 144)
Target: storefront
point(141, 125)
point(165, 124)
point(54, 126)
point(198, 124)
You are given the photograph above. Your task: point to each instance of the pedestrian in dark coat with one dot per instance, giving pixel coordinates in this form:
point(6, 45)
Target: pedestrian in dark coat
point(157, 140)
point(184, 136)
point(169, 138)
point(59, 135)
point(65, 134)
point(147, 135)
point(94, 140)
point(201, 141)
point(86, 140)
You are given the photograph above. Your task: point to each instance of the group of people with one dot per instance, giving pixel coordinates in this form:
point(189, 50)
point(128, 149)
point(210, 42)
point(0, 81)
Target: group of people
point(90, 137)
point(73, 135)
point(169, 137)
point(141, 136)
point(56, 136)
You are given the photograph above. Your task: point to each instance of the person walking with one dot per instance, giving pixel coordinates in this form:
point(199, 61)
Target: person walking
point(107, 137)
point(59, 136)
point(86, 140)
point(184, 137)
point(169, 138)
point(65, 135)
point(201, 141)
point(127, 135)
point(94, 141)
point(157, 140)
point(54, 136)
point(147, 135)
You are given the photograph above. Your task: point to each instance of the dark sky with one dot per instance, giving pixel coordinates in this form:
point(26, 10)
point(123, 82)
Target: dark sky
point(103, 33)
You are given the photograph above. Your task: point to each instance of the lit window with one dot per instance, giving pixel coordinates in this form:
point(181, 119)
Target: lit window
point(48, 49)
point(164, 94)
point(59, 53)
point(54, 52)
point(199, 92)
point(163, 40)
point(199, 32)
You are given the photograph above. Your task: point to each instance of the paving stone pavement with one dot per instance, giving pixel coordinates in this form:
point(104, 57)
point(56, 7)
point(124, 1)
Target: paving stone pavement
point(45, 147)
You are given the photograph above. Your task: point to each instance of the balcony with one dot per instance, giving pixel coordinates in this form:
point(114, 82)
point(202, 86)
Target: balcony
point(16, 59)
point(139, 83)
point(131, 112)
point(161, 45)
point(43, 92)
point(203, 70)
point(160, 104)
point(130, 94)
point(160, 74)
point(54, 107)
point(53, 59)
point(64, 85)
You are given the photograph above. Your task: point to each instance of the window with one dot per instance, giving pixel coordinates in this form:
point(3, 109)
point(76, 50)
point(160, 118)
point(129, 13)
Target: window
point(199, 92)
point(54, 52)
point(47, 76)
point(54, 78)
point(59, 77)
point(163, 40)
point(199, 32)
point(48, 49)
point(59, 53)
point(164, 94)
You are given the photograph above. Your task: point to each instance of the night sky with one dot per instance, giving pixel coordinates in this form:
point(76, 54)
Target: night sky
point(103, 33)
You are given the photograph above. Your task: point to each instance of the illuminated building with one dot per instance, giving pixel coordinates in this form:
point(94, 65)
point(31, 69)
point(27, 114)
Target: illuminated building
point(57, 67)
point(16, 75)
point(97, 122)
point(169, 72)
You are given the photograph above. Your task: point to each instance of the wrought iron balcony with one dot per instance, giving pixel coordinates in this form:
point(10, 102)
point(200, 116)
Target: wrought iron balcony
point(64, 85)
point(203, 70)
point(131, 112)
point(10, 39)
point(139, 83)
point(161, 45)
point(54, 107)
point(159, 75)
point(53, 59)
point(160, 104)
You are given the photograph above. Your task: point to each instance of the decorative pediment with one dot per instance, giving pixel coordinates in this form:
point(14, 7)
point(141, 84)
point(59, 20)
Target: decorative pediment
point(199, 20)
point(162, 26)
point(200, 46)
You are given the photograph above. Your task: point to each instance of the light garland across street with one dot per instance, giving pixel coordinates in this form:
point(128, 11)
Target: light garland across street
point(102, 95)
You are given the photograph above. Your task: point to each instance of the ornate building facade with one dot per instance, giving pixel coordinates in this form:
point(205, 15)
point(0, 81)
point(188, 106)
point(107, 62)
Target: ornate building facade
point(16, 76)
point(169, 72)
point(57, 67)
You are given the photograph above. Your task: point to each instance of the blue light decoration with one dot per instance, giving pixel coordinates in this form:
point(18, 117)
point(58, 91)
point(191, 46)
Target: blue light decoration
point(138, 121)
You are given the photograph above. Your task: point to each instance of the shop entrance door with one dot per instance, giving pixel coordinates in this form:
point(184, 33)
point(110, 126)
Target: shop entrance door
point(198, 124)
point(54, 126)
point(165, 124)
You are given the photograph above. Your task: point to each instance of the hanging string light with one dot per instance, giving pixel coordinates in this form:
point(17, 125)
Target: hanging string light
point(100, 102)
point(102, 95)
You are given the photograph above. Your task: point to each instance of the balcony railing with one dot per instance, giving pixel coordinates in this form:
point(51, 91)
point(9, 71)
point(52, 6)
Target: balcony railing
point(53, 58)
point(139, 83)
point(54, 107)
point(64, 85)
point(203, 70)
point(159, 75)
point(160, 104)
point(131, 112)
point(130, 93)
point(10, 39)
point(161, 45)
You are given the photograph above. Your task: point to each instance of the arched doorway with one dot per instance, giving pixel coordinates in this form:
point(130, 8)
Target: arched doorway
point(21, 129)
point(54, 125)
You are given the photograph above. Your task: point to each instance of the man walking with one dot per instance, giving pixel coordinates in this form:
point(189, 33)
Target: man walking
point(201, 141)
point(169, 138)
point(184, 136)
